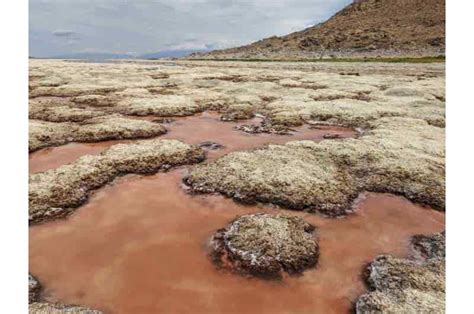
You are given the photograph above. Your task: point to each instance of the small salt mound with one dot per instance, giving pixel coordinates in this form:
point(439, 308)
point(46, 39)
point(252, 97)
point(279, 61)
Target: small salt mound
point(266, 245)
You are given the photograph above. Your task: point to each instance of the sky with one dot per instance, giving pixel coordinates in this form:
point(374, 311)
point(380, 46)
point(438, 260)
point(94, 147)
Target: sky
point(136, 27)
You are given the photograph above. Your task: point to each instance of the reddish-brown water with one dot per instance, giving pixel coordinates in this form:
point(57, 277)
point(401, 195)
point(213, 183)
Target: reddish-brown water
point(194, 130)
point(140, 244)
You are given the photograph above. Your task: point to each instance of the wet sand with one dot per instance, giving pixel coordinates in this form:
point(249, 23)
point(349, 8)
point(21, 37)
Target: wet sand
point(139, 246)
point(193, 130)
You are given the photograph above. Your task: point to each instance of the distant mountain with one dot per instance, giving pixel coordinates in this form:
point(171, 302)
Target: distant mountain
point(363, 28)
point(106, 56)
point(172, 53)
point(94, 56)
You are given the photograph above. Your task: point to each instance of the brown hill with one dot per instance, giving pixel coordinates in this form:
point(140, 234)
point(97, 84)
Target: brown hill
point(363, 28)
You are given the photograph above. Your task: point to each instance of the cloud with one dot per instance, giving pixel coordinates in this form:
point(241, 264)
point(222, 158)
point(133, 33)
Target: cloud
point(63, 33)
point(118, 26)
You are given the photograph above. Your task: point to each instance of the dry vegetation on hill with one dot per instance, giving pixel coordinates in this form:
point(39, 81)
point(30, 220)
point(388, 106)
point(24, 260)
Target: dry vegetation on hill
point(363, 28)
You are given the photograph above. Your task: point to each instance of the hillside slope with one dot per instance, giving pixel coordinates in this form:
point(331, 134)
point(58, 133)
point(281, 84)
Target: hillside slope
point(363, 28)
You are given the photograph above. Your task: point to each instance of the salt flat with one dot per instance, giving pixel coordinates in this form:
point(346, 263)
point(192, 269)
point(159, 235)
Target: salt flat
point(395, 111)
